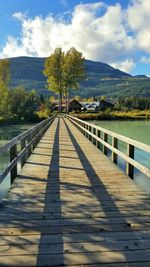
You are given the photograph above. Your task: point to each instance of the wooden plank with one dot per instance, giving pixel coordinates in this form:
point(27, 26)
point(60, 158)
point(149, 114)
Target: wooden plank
point(69, 259)
point(22, 215)
point(72, 247)
point(30, 229)
point(74, 238)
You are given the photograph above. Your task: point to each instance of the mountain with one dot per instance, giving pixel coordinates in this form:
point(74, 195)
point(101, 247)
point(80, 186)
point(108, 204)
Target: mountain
point(101, 78)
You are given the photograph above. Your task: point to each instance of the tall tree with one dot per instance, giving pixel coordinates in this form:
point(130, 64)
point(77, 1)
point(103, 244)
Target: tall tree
point(73, 72)
point(4, 82)
point(54, 72)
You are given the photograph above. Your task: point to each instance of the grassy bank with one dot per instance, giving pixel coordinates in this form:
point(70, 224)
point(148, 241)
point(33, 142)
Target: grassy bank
point(14, 121)
point(116, 115)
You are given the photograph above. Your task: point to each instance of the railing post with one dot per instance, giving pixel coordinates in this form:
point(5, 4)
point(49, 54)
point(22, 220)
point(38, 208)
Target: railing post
point(96, 133)
point(88, 128)
point(105, 138)
point(82, 126)
point(85, 130)
point(34, 142)
point(90, 138)
point(29, 148)
point(99, 145)
point(23, 159)
point(115, 145)
point(13, 155)
point(129, 167)
point(92, 133)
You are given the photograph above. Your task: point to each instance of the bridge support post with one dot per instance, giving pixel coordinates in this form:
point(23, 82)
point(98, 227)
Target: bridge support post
point(93, 139)
point(23, 144)
point(98, 135)
point(129, 167)
point(13, 155)
point(105, 138)
point(115, 145)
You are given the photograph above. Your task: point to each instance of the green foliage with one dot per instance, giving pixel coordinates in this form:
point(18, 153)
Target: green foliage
point(4, 82)
point(5, 72)
point(73, 69)
point(129, 103)
point(73, 72)
point(54, 72)
point(22, 104)
point(64, 71)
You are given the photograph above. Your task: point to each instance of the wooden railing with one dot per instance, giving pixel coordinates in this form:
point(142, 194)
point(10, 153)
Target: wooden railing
point(100, 137)
point(26, 141)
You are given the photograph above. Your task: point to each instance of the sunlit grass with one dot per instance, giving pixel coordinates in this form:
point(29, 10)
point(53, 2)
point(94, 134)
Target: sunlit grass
point(115, 115)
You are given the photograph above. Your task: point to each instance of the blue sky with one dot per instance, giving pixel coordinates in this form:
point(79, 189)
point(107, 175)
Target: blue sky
point(111, 31)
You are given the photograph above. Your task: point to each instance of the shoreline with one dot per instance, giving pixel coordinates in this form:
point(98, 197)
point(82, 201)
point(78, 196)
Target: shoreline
point(115, 115)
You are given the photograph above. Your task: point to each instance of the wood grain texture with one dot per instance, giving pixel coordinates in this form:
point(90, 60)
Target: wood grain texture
point(72, 206)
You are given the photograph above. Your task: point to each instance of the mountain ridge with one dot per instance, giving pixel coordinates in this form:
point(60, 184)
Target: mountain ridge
point(102, 79)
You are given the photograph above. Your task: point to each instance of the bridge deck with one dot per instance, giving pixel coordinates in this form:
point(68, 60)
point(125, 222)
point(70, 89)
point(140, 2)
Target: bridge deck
point(71, 206)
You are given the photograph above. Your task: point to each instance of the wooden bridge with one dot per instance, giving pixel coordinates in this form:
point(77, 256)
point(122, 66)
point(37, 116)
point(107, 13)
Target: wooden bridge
point(70, 205)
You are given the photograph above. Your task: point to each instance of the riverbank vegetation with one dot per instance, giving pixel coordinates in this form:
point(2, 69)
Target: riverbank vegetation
point(116, 115)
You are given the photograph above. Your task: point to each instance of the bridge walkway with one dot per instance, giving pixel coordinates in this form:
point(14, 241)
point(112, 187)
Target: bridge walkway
point(72, 206)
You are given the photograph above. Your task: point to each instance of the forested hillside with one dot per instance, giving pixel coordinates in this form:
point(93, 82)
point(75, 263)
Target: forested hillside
point(101, 79)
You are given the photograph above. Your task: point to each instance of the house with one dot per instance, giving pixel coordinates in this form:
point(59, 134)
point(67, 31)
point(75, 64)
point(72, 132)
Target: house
point(103, 105)
point(97, 106)
point(74, 105)
point(90, 106)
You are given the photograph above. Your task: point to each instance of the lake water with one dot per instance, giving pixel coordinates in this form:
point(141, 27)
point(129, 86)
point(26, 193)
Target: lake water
point(137, 130)
point(7, 133)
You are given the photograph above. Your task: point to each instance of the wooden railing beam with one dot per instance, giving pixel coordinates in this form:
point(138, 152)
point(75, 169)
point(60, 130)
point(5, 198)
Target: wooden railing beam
point(95, 135)
point(28, 141)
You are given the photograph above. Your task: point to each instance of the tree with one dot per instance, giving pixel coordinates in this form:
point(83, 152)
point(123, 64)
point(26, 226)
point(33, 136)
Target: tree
point(23, 104)
point(54, 72)
point(73, 71)
point(4, 82)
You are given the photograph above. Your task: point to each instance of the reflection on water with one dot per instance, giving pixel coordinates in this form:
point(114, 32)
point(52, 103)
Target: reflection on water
point(7, 133)
point(137, 130)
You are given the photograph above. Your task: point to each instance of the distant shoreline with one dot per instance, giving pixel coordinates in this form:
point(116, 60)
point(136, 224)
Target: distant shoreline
point(116, 115)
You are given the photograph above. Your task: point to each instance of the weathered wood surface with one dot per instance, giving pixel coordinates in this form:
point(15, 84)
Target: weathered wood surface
point(72, 206)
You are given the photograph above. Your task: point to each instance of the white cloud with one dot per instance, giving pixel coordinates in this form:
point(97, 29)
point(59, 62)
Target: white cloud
point(138, 15)
point(99, 37)
point(19, 16)
point(145, 60)
point(13, 49)
point(100, 32)
point(126, 65)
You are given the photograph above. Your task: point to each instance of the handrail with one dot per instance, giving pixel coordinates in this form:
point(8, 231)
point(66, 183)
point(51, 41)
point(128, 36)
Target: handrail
point(93, 132)
point(27, 140)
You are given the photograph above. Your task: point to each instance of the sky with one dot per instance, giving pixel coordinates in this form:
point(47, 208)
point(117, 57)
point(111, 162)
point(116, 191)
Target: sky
point(116, 32)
